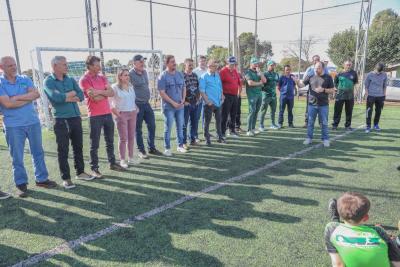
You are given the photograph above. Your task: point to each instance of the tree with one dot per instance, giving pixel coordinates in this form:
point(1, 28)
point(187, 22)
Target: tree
point(342, 46)
point(246, 44)
point(217, 52)
point(292, 50)
point(293, 62)
point(113, 63)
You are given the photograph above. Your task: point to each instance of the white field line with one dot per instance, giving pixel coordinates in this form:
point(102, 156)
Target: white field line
point(73, 244)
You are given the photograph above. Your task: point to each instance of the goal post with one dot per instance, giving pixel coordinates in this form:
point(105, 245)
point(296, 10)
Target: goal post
point(112, 61)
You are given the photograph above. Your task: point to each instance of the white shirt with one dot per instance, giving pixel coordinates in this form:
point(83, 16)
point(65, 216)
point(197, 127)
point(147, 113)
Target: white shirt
point(199, 72)
point(123, 100)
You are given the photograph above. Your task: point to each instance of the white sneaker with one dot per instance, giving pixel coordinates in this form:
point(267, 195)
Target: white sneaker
point(273, 127)
point(85, 176)
point(261, 129)
point(326, 143)
point(143, 155)
point(68, 184)
point(307, 142)
point(250, 133)
point(181, 149)
point(123, 163)
point(256, 131)
point(132, 161)
point(167, 153)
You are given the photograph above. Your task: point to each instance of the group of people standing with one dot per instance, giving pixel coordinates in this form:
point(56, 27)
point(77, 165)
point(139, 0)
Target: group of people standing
point(187, 97)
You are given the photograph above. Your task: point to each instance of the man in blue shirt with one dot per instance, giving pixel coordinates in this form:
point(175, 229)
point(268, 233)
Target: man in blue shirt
point(211, 91)
point(21, 122)
point(64, 94)
point(286, 87)
point(171, 85)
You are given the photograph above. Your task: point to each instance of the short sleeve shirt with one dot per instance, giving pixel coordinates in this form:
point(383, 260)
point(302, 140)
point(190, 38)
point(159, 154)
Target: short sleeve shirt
point(287, 86)
point(230, 81)
point(252, 75)
point(270, 86)
point(361, 246)
point(22, 116)
point(140, 84)
point(173, 85)
point(344, 83)
point(97, 82)
point(318, 99)
point(192, 88)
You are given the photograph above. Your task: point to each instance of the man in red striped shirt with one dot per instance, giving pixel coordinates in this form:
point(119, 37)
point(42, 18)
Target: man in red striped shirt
point(231, 86)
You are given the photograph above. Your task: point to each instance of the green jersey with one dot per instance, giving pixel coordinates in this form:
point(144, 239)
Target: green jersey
point(270, 87)
point(344, 83)
point(361, 246)
point(252, 75)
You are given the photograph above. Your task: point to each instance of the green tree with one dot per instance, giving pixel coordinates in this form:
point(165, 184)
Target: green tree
point(246, 44)
point(293, 62)
point(342, 46)
point(217, 52)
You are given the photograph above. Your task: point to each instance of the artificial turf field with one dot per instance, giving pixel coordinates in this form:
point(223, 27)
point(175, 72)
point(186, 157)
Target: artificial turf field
point(273, 218)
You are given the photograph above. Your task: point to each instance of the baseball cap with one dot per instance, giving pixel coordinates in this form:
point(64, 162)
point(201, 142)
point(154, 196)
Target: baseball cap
point(254, 60)
point(232, 60)
point(271, 62)
point(139, 58)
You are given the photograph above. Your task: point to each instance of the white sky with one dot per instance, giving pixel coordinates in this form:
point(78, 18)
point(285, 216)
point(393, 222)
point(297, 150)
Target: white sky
point(131, 28)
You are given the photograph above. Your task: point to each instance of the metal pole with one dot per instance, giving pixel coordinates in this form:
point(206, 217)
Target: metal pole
point(190, 29)
point(365, 49)
point(13, 36)
point(88, 23)
point(235, 37)
point(44, 101)
point(99, 33)
point(229, 28)
point(195, 31)
point(91, 23)
point(255, 30)
point(301, 35)
point(151, 25)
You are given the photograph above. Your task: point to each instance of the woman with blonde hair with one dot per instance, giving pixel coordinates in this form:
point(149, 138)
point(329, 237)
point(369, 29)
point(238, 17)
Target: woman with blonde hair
point(125, 111)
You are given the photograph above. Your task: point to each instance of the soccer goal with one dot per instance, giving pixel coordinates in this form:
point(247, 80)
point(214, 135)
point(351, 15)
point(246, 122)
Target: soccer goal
point(112, 60)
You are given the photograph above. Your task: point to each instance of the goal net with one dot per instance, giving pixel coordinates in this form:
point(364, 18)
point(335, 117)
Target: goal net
point(112, 61)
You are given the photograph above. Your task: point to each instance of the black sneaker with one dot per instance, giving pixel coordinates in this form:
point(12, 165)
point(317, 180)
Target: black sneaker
point(398, 168)
point(22, 190)
point(4, 195)
point(334, 128)
point(154, 151)
point(291, 126)
point(46, 184)
point(208, 142)
point(117, 167)
point(96, 173)
point(332, 210)
point(221, 140)
point(349, 129)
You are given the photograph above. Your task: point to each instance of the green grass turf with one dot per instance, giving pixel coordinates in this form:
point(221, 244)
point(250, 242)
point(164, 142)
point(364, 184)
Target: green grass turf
point(275, 218)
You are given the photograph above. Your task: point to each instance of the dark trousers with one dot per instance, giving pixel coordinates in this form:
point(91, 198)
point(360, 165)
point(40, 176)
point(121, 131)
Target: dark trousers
point(348, 106)
point(238, 113)
point(378, 101)
point(146, 114)
point(97, 123)
point(283, 103)
point(190, 115)
point(65, 130)
point(208, 112)
point(229, 110)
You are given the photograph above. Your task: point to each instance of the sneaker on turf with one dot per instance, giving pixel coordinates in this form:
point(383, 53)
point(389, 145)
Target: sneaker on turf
point(234, 134)
point(291, 125)
point(46, 184)
point(4, 195)
point(349, 129)
point(85, 176)
point(239, 130)
point(250, 133)
point(197, 140)
point(376, 128)
point(22, 190)
point(334, 128)
point(68, 184)
point(143, 155)
point(221, 140)
point(132, 161)
point(193, 143)
point(155, 152)
point(208, 142)
point(185, 146)
point(123, 163)
point(307, 142)
point(167, 153)
point(326, 143)
point(256, 131)
point(273, 127)
point(117, 167)
point(261, 129)
point(280, 126)
point(332, 210)
point(97, 174)
point(181, 149)
point(367, 130)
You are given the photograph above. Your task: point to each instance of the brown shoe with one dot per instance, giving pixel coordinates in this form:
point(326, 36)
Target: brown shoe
point(117, 167)
point(22, 190)
point(4, 195)
point(96, 173)
point(46, 184)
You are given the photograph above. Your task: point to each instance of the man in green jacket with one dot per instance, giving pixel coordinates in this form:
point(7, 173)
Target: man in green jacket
point(254, 82)
point(269, 95)
point(64, 93)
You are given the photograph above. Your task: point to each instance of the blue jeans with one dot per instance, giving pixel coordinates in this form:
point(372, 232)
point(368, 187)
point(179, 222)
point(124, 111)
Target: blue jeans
point(289, 102)
point(323, 113)
point(146, 114)
point(171, 115)
point(200, 114)
point(190, 113)
point(16, 137)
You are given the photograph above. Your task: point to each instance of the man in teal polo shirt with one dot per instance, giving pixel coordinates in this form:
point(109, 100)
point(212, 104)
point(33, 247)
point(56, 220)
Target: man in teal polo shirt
point(254, 82)
point(64, 94)
point(269, 95)
point(21, 122)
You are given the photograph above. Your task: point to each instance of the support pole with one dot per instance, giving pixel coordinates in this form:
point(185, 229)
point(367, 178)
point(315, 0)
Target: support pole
point(301, 36)
point(10, 18)
point(151, 25)
point(99, 33)
point(255, 31)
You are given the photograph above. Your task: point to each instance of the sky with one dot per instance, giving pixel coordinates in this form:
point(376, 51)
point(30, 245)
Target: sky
point(131, 25)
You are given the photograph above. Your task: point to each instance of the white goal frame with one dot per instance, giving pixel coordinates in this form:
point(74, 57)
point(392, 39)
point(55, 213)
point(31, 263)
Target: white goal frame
point(38, 73)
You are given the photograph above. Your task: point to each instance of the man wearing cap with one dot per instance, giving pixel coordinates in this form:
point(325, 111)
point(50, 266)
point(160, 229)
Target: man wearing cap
point(254, 82)
point(231, 89)
point(269, 95)
point(140, 82)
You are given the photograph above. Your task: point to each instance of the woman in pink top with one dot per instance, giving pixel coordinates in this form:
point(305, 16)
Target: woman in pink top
point(125, 111)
